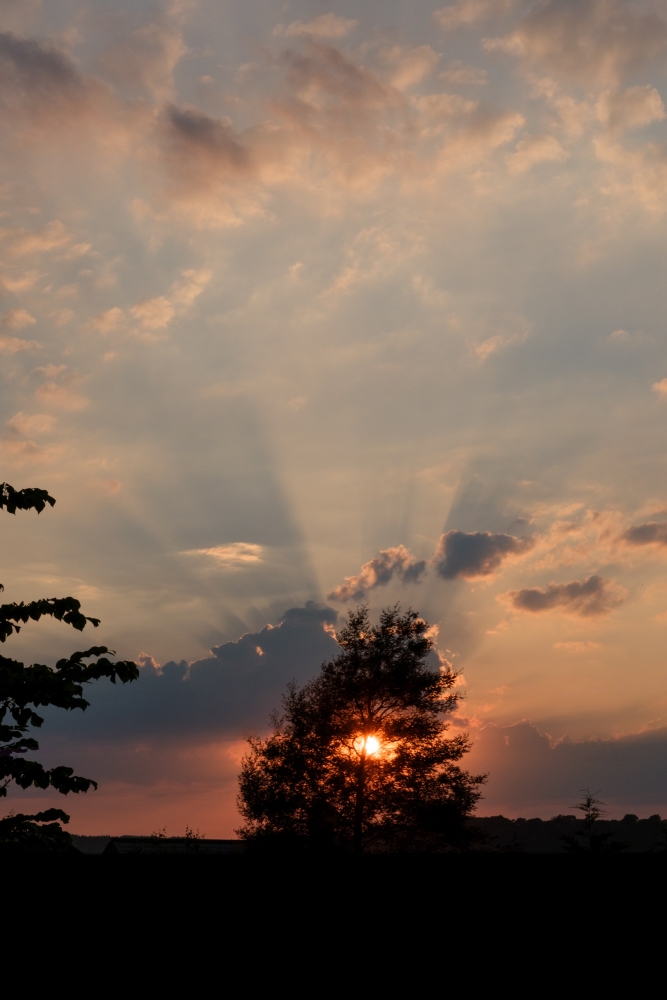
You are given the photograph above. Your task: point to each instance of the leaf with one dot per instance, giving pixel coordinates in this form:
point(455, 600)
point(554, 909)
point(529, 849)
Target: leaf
point(26, 499)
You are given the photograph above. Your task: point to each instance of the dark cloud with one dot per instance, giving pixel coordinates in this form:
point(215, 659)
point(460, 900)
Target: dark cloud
point(529, 774)
point(586, 598)
point(475, 554)
point(646, 534)
point(194, 134)
point(35, 77)
point(207, 162)
point(378, 571)
point(231, 693)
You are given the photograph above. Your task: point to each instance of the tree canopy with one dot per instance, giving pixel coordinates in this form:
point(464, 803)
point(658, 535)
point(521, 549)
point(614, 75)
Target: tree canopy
point(359, 760)
point(25, 688)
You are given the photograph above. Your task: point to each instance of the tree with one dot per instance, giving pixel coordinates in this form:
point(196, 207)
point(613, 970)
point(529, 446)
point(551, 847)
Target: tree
point(595, 840)
point(359, 759)
point(24, 688)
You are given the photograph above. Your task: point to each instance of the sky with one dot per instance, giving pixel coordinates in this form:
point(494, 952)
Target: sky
point(306, 306)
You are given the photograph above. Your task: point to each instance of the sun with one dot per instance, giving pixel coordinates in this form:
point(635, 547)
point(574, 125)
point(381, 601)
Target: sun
point(369, 744)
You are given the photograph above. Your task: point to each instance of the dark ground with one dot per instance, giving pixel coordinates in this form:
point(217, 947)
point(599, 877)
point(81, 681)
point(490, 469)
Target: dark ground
point(304, 925)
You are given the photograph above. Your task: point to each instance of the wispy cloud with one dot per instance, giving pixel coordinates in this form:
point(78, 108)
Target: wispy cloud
point(324, 26)
point(235, 555)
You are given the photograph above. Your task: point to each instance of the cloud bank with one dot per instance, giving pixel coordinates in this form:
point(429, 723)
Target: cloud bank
point(530, 774)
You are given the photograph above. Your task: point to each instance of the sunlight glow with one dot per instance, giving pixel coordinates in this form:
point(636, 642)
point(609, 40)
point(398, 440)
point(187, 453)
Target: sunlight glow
point(370, 743)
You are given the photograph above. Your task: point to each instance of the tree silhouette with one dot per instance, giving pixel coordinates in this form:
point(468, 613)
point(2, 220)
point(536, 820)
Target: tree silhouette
point(595, 840)
point(24, 688)
point(359, 760)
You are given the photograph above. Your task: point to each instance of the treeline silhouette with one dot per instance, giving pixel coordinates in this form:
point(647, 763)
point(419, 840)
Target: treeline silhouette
point(489, 835)
point(568, 833)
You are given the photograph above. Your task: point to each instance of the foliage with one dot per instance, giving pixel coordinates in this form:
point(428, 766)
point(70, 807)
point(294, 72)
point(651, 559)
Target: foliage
point(28, 499)
point(38, 832)
point(24, 688)
point(359, 760)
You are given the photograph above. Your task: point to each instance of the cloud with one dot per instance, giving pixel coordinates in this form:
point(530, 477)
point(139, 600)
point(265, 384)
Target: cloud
point(435, 109)
point(50, 371)
point(62, 395)
point(189, 287)
point(146, 660)
point(465, 13)
point(576, 647)
point(211, 142)
point(20, 451)
point(231, 692)
point(17, 319)
point(17, 445)
point(232, 556)
point(650, 533)
point(408, 66)
point(325, 79)
point(636, 175)
point(32, 423)
point(335, 125)
point(36, 78)
point(156, 313)
point(660, 387)
point(51, 237)
point(18, 282)
point(145, 59)
point(207, 162)
point(531, 774)
point(109, 321)
point(324, 26)
point(461, 75)
point(535, 149)
point(510, 330)
point(632, 108)
point(476, 554)
point(13, 345)
point(153, 314)
point(378, 572)
point(584, 598)
point(43, 95)
point(594, 42)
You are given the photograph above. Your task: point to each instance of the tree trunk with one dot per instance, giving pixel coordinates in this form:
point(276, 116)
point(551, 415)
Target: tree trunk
point(359, 804)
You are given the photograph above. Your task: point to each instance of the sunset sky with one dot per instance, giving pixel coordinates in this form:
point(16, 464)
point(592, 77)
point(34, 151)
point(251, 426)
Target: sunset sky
point(306, 306)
